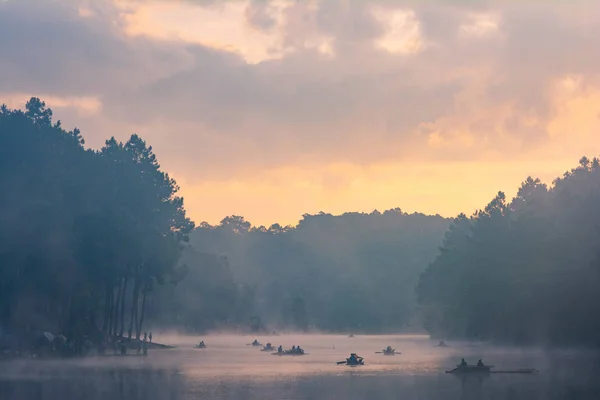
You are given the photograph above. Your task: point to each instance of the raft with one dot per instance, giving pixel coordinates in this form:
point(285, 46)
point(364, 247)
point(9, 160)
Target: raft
point(470, 369)
point(355, 363)
point(487, 369)
point(386, 352)
point(289, 353)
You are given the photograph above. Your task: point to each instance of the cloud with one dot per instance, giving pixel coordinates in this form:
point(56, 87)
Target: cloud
point(228, 90)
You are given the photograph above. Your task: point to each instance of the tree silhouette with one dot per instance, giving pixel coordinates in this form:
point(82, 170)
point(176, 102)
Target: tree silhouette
point(524, 271)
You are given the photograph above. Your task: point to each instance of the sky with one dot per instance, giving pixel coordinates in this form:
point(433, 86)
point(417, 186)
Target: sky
point(274, 109)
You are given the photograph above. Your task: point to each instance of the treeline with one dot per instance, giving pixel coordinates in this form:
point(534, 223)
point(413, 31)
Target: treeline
point(353, 272)
point(94, 243)
point(522, 271)
point(85, 235)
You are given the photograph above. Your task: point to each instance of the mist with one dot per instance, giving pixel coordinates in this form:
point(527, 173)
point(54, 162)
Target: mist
point(130, 124)
point(106, 276)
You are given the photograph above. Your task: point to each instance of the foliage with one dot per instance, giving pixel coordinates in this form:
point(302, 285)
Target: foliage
point(84, 235)
point(522, 271)
point(354, 272)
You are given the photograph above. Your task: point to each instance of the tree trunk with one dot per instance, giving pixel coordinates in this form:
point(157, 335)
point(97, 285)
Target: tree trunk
point(111, 300)
point(137, 328)
point(144, 293)
point(122, 319)
point(117, 308)
point(106, 309)
point(134, 303)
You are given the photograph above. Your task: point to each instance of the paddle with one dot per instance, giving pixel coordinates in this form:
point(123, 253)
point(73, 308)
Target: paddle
point(341, 362)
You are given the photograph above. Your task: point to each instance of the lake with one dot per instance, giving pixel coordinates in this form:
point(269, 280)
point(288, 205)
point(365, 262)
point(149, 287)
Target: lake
point(229, 369)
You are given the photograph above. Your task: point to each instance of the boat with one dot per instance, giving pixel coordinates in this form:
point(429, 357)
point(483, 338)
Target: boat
point(268, 349)
point(353, 362)
point(441, 344)
point(487, 369)
point(200, 345)
point(387, 352)
point(471, 369)
point(290, 353)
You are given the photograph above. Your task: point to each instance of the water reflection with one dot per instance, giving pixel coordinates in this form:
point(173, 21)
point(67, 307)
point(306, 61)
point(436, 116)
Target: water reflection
point(98, 384)
point(229, 370)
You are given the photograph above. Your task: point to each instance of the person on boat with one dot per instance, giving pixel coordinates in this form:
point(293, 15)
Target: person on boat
point(299, 350)
point(442, 344)
point(268, 346)
point(388, 349)
point(480, 363)
point(150, 337)
point(463, 363)
point(255, 342)
point(280, 349)
point(353, 359)
point(293, 348)
point(201, 344)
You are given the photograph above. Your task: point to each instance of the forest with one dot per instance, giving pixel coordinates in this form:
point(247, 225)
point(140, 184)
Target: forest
point(97, 244)
point(85, 235)
point(354, 272)
point(522, 271)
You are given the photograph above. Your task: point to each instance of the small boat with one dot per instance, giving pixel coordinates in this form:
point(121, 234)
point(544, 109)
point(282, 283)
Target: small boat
point(351, 335)
point(290, 353)
point(255, 344)
point(353, 362)
point(388, 352)
point(487, 369)
point(268, 349)
point(471, 369)
point(200, 345)
point(441, 344)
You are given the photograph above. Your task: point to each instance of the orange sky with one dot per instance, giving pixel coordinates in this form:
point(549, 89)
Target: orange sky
point(275, 109)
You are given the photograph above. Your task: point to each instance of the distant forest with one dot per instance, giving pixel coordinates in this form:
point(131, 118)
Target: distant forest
point(354, 272)
point(97, 243)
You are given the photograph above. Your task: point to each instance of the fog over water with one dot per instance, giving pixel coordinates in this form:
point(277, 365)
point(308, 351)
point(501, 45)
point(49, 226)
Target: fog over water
point(230, 369)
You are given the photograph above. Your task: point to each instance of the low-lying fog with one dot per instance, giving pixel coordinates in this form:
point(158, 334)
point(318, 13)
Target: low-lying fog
point(231, 369)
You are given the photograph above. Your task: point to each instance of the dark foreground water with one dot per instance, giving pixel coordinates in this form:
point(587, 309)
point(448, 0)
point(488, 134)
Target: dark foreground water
point(228, 369)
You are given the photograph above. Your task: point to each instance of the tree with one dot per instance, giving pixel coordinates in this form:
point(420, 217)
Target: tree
point(77, 226)
point(506, 274)
point(331, 272)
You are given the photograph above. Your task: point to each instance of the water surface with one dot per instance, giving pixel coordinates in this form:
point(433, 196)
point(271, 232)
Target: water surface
point(229, 369)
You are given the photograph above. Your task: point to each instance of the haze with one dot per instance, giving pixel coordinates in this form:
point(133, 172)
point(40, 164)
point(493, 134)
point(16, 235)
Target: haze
point(192, 190)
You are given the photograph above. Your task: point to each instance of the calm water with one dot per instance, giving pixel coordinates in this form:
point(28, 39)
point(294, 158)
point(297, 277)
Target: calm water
point(229, 369)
